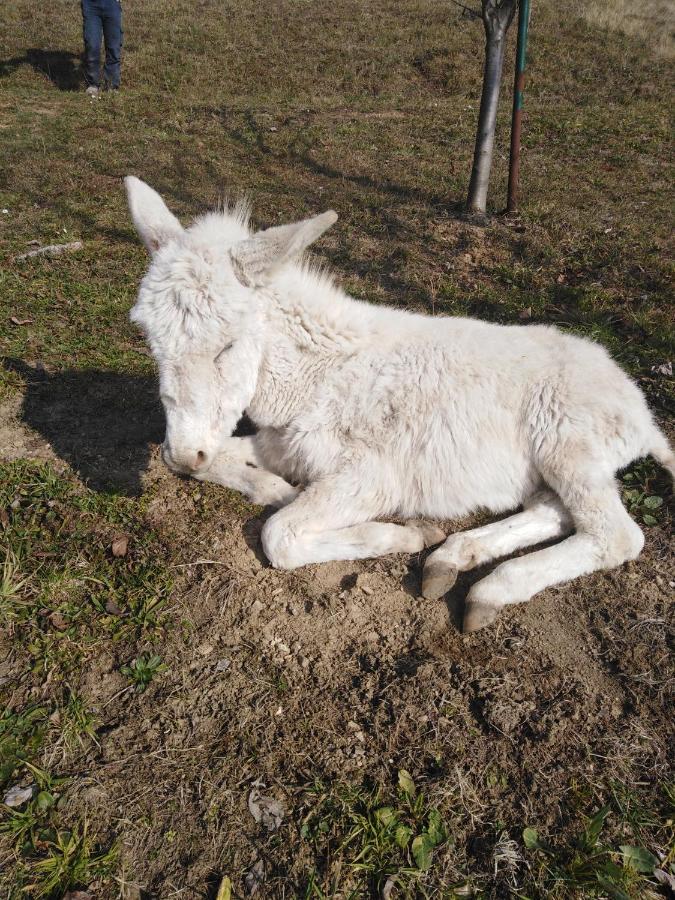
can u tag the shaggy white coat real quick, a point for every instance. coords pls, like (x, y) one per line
(379, 412)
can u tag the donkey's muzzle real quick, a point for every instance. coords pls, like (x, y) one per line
(186, 461)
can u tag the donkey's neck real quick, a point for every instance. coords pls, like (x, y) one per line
(311, 327)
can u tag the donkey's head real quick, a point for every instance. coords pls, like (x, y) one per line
(202, 305)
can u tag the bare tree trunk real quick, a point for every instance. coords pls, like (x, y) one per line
(497, 16)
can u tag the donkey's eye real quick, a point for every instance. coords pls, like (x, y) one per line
(224, 350)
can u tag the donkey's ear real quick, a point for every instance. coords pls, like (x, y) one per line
(154, 223)
(256, 258)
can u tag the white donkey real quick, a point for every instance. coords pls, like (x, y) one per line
(380, 413)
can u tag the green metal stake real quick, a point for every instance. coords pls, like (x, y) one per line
(516, 121)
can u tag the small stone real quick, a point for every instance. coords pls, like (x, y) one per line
(367, 589)
(223, 664)
(120, 545)
(256, 608)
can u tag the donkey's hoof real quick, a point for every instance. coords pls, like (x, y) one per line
(438, 578)
(431, 534)
(478, 615)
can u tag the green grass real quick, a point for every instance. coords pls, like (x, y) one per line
(60, 579)
(63, 594)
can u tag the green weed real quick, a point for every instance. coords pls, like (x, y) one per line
(640, 492)
(589, 867)
(380, 839)
(142, 670)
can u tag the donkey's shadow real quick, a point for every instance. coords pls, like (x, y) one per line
(101, 423)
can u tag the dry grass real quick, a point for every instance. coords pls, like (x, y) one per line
(652, 20)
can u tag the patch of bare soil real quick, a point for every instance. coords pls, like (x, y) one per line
(342, 672)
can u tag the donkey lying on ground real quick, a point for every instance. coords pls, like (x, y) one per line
(379, 412)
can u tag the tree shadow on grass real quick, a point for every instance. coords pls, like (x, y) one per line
(62, 67)
(103, 424)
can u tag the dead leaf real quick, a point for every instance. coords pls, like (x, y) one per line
(525, 313)
(389, 886)
(112, 608)
(15, 321)
(664, 878)
(265, 810)
(18, 795)
(255, 878)
(4, 518)
(225, 889)
(561, 279)
(120, 544)
(665, 368)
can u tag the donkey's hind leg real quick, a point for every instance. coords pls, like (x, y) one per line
(605, 537)
(543, 519)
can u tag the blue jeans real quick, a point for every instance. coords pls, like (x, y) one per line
(102, 18)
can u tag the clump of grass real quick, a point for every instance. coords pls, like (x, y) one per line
(12, 589)
(590, 867)
(384, 841)
(50, 859)
(76, 722)
(69, 859)
(21, 736)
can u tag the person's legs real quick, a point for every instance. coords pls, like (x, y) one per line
(92, 31)
(112, 30)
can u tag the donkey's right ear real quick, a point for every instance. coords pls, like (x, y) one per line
(154, 223)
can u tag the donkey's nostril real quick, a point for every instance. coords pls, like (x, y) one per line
(185, 460)
(200, 461)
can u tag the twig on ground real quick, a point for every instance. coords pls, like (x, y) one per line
(51, 250)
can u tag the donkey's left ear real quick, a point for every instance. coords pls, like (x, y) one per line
(154, 223)
(256, 258)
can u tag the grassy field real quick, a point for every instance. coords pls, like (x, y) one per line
(186, 722)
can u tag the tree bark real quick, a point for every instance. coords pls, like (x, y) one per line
(497, 16)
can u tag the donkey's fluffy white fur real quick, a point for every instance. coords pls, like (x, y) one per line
(379, 412)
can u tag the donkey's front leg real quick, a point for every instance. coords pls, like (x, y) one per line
(328, 521)
(238, 466)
